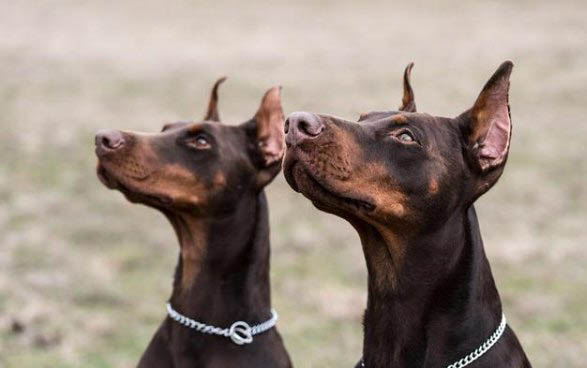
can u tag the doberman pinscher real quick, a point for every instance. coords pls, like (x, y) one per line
(207, 178)
(407, 181)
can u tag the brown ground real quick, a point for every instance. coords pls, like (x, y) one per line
(84, 274)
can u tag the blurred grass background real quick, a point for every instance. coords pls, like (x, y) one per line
(84, 275)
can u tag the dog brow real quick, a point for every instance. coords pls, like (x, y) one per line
(196, 128)
(393, 121)
(399, 119)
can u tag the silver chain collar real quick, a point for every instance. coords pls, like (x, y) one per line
(477, 353)
(239, 332)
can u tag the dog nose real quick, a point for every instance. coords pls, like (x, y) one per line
(109, 140)
(300, 126)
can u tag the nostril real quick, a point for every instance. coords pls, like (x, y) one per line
(302, 125)
(309, 128)
(109, 139)
(112, 142)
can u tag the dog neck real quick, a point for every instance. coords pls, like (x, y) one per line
(431, 301)
(222, 275)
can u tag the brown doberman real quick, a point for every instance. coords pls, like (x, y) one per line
(207, 178)
(407, 181)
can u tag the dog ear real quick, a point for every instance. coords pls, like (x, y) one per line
(487, 127)
(270, 122)
(212, 113)
(270, 138)
(408, 99)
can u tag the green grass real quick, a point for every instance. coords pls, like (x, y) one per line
(87, 273)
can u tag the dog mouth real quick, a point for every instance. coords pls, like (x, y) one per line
(301, 179)
(106, 179)
(111, 181)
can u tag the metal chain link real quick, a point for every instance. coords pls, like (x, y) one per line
(463, 362)
(483, 348)
(239, 332)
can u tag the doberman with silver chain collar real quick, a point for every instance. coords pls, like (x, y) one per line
(207, 179)
(407, 181)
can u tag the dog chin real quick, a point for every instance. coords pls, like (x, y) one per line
(323, 198)
(106, 178)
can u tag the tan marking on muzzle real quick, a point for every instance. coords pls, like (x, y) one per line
(131, 167)
(133, 162)
(332, 162)
(330, 158)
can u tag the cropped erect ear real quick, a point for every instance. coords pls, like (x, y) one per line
(212, 113)
(408, 99)
(269, 136)
(487, 127)
(270, 121)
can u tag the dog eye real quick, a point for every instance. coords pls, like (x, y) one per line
(198, 142)
(406, 137)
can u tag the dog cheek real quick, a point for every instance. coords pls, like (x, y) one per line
(180, 185)
(385, 191)
(392, 207)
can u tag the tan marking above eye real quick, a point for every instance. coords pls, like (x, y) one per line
(195, 128)
(399, 119)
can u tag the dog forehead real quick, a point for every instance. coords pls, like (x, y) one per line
(381, 119)
(198, 126)
(425, 123)
(377, 115)
(222, 133)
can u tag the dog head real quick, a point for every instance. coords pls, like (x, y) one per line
(201, 166)
(401, 169)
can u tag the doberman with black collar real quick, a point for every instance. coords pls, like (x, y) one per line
(407, 181)
(207, 178)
